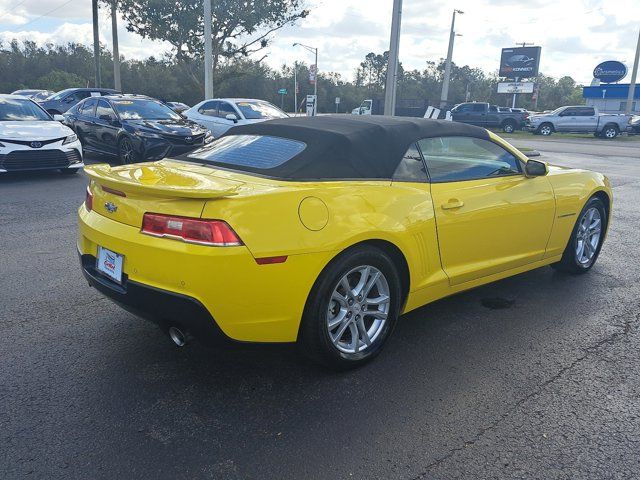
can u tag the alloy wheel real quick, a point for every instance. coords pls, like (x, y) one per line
(610, 133)
(358, 309)
(545, 130)
(588, 236)
(126, 151)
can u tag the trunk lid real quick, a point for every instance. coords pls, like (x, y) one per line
(125, 193)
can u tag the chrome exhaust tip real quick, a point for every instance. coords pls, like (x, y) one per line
(177, 336)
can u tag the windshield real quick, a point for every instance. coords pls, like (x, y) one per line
(254, 151)
(21, 110)
(260, 110)
(143, 110)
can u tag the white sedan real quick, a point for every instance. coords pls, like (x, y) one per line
(220, 114)
(30, 139)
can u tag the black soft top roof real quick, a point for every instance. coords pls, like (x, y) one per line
(349, 147)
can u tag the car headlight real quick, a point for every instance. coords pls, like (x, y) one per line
(208, 137)
(148, 135)
(70, 139)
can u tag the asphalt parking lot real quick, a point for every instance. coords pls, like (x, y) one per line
(531, 377)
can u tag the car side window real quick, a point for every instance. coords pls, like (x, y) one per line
(104, 109)
(478, 107)
(88, 107)
(411, 168)
(210, 109)
(455, 159)
(225, 109)
(81, 95)
(586, 112)
(569, 112)
(463, 108)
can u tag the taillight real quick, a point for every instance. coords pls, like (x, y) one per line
(88, 200)
(193, 230)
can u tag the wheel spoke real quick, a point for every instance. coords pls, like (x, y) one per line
(580, 251)
(341, 299)
(341, 330)
(355, 338)
(345, 284)
(364, 275)
(370, 283)
(362, 329)
(376, 314)
(338, 319)
(378, 300)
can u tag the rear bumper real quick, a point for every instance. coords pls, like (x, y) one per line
(224, 287)
(161, 307)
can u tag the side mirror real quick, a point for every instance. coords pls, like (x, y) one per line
(534, 168)
(58, 118)
(233, 117)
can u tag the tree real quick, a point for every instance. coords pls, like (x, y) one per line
(239, 27)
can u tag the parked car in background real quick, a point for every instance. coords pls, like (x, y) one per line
(579, 119)
(134, 128)
(34, 94)
(30, 139)
(178, 107)
(485, 115)
(65, 99)
(405, 107)
(220, 114)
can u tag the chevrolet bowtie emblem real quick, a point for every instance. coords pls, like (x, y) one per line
(110, 207)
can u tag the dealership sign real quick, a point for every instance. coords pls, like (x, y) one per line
(515, 87)
(610, 71)
(520, 62)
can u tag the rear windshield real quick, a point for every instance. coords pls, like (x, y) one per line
(254, 151)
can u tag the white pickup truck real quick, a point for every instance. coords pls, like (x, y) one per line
(579, 119)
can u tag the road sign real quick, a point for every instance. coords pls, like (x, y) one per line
(283, 91)
(515, 87)
(313, 70)
(337, 100)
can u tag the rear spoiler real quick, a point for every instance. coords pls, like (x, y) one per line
(163, 180)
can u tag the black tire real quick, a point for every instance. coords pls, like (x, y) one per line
(569, 262)
(509, 126)
(69, 171)
(126, 151)
(610, 132)
(545, 129)
(314, 338)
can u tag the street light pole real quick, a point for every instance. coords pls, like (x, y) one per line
(295, 88)
(447, 67)
(96, 43)
(392, 67)
(313, 50)
(208, 52)
(634, 76)
(116, 51)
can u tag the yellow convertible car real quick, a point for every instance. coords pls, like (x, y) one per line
(323, 230)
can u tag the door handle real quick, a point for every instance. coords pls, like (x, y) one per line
(452, 203)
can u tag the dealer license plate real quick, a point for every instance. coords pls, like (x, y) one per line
(110, 264)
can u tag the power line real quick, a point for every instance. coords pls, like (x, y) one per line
(47, 13)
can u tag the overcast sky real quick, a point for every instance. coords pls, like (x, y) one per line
(575, 35)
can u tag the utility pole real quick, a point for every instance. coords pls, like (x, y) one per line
(313, 50)
(634, 76)
(96, 43)
(295, 87)
(447, 67)
(116, 52)
(392, 67)
(208, 51)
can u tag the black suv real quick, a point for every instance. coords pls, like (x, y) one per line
(134, 128)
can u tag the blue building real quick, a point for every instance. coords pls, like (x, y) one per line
(611, 97)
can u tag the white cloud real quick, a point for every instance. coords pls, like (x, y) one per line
(574, 34)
